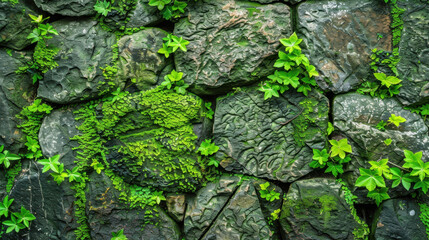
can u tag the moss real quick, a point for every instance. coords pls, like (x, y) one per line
(328, 204)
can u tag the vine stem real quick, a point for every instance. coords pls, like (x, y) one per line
(398, 166)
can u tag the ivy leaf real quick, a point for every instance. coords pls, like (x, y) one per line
(330, 128)
(46, 29)
(38, 19)
(270, 90)
(207, 148)
(381, 168)
(213, 162)
(179, 6)
(315, 164)
(396, 120)
(379, 195)
(74, 175)
(311, 70)
(334, 169)
(119, 235)
(320, 156)
(424, 185)
(178, 43)
(51, 163)
(159, 3)
(304, 88)
(424, 110)
(25, 216)
(102, 8)
(411, 158)
(340, 148)
(4, 206)
(158, 197)
(175, 76)
(291, 43)
(291, 78)
(398, 177)
(420, 169)
(264, 186)
(283, 61)
(369, 179)
(6, 157)
(181, 89)
(34, 36)
(388, 141)
(32, 145)
(13, 225)
(387, 80)
(165, 50)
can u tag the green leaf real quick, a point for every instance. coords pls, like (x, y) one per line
(424, 110)
(269, 90)
(74, 175)
(34, 36)
(387, 80)
(320, 156)
(304, 88)
(264, 186)
(213, 162)
(424, 185)
(291, 43)
(381, 168)
(4, 206)
(178, 43)
(51, 163)
(379, 195)
(411, 158)
(25, 217)
(330, 128)
(396, 120)
(175, 76)
(13, 225)
(369, 179)
(388, 141)
(6, 157)
(159, 3)
(207, 148)
(119, 235)
(312, 71)
(335, 169)
(102, 8)
(1, 148)
(420, 169)
(46, 29)
(340, 148)
(32, 145)
(165, 50)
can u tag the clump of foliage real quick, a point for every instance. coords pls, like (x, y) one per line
(43, 55)
(170, 9)
(269, 195)
(119, 235)
(387, 86)
(393, 120)
(209, 111)
(174, 81)
(57, 169)
(17, 220)
(207, 148)
(6, 157)
(296, 71)
(102, 7)
(171, 44)
(424, 216)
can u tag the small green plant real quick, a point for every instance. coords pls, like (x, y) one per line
(274, 216)
(296, 72)
(330, 128)
(4, 206)
(208, 148)
(269, 195)
(6, 157)
(17, 220)
(57, 169)
(388, 86)
(174, 80)
(169, 8)
(102, 7)
(158, 197)
(42, 31)
(119, 235)
(388, 141)
(209, 112)
(171, 44)
(393, 120)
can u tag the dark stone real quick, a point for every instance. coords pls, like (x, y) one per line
(143, 15)
(398, 219)
(107, 214)
(232, 43)
(316, 209)
(339, 36)
(254, 139)
(15, 24)
(414, 53)
(84, 47)
(73, 8)
(139, 58)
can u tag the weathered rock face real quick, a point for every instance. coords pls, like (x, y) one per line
(232, 43)
(227, 210)
(15, 93)
(414, 53)
(84, 47)
(50, 203)
(143, 15)
(316, 209)
(106, 214)
(270, 139)
(176, 206)
(357, 116)
(339, 37)
(15, 24)
(138, 57)
(55, 133)
(398, 219)
(73, 8)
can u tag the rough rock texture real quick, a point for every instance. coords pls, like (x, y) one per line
(414, 53)
(339, 37)
(106, 214)
(16, 90)
(176, 206)
(143, 15)
(398, 219)
(357, 116)
(55, 133)
(316, 209)
(138, 57)
(73, 8)
(227, 210)
(232, 43)
(15, 24)
(254, 139)
(51, 204)
(84, 48)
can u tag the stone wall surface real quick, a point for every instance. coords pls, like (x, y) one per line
(214, 119)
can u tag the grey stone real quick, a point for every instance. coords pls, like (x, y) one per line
(357, 116)
(50, 203)
(176, 206)
(316, 209)
(398, 219)
(15, 24)
(73, 8)
(339, 36)
(271, 139)
(139, 58)
(84, 47)
(55, 133)
(106, 214)
(16, 91)
(232, 43)
(143, 15)
(414, 53)
(241, 218)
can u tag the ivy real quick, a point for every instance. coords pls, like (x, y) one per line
(171, 44)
